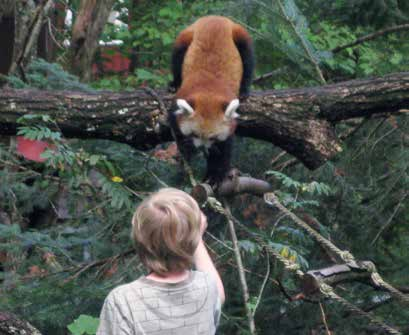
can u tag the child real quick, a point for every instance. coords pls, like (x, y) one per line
(167, 228)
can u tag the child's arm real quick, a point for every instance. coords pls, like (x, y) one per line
(204, 263)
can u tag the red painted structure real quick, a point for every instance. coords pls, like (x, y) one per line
(113, 61)
(31, 149)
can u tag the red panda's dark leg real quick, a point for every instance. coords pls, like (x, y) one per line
(244, 45)
(178, 54)
(184, 144)
(218, 160)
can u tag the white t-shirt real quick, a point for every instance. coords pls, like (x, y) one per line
(145, 306)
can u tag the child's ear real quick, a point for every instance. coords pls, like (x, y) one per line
(203, 223)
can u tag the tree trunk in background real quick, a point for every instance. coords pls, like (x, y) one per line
(133, 57)
(300, 121)
(47, 46)
(86, 32)
(7, 33)
(25, 12)
(20, 24)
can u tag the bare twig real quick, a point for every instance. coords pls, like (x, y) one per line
(372, 36)
(263, 285)
(21, 167)
(219, 241)
(88, 266)
(267, 75)
(137, 194)
(242, 276)
(350, 132)
(288, 163)
(324, 319)
(146, 166)
(50, 30)
(371, 307)
(276, 158)
(388, 223)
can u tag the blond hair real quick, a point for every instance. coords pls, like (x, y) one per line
(166, 230)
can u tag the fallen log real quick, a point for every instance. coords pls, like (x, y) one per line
(300, 121)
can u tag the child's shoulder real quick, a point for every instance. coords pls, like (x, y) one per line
(122, 291)
(204, 277)
(142, 285)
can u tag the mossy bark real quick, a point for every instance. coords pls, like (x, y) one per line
(300, 121)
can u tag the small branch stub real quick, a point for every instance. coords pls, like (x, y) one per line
(232, 185)
(334, 275)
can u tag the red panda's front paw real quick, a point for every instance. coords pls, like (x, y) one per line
(171, 87)
(214, 181)
(230, 177)
(244, 96)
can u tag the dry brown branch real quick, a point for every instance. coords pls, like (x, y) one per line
(242, 275)
(100, 262)
(263, 285)
(324, 319)
(268, 75)
(389, 222)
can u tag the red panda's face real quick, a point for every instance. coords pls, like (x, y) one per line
(207, 123)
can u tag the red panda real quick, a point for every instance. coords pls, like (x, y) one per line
(212, 65)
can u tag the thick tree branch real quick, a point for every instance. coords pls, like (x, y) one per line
(299, 121)
(10, 324)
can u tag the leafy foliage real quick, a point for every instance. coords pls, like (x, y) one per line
(48, 76)
(372, 13)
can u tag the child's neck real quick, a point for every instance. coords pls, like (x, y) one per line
(169, 277)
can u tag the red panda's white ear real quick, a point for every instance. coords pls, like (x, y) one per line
(231, 109)
(184, 107)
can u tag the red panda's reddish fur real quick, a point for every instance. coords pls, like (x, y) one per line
(212, 65)
(212, 68)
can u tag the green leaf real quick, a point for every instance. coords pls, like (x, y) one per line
(249, 246)
(84, 325)
(93, 160)
(166, 11)
(396, 58)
